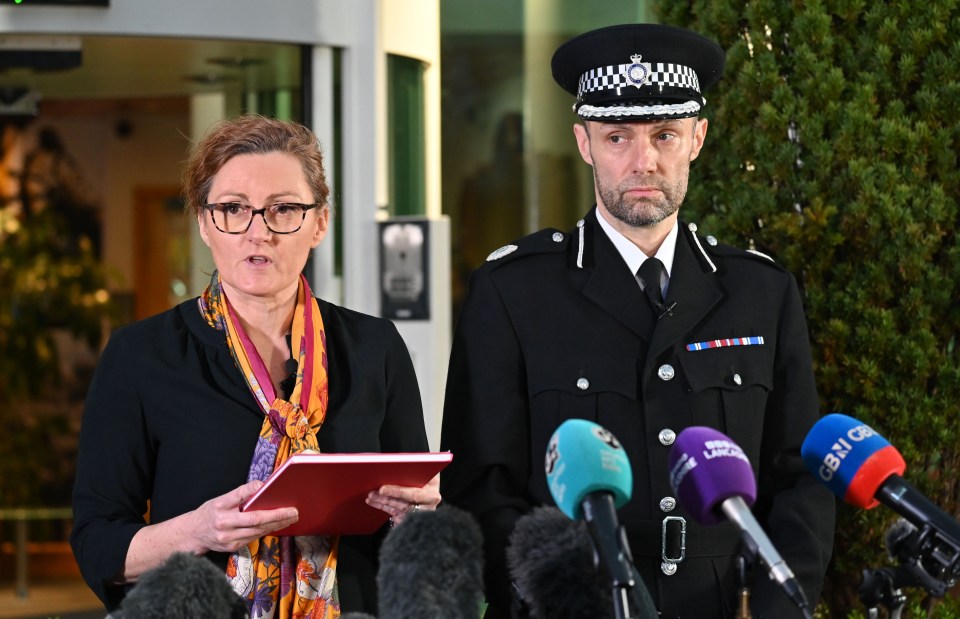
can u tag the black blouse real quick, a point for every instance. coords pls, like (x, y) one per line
(169, 419)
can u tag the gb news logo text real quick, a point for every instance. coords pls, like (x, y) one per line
(842, 448)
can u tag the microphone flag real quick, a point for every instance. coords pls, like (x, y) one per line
(706, 469)
(583, 458)
(850, 458)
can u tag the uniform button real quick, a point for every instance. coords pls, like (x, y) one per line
(557, 237)
(583, 384)
(711, 240)
(667, 436)
(667, 504)
(666, 372)
(737, 379)
(668, 568)
(692, 227)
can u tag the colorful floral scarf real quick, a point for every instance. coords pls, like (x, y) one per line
(282, 577)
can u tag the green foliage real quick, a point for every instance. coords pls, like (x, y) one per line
(833, 147)
(49, 279)
(50, 282)
(33, 471)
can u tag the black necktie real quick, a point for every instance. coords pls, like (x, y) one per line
(650, 272)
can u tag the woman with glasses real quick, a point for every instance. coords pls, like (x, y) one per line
(191, 409)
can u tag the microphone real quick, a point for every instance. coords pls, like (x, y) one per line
(546, 557)
(663, 309)
(431, 567)
(589, 477)
(864, 469)
(584, 460)
(713, 479)
(185, 586)
(287, 384)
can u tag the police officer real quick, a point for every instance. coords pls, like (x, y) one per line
(634, 321)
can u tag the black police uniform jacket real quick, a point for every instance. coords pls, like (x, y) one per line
(558, 328)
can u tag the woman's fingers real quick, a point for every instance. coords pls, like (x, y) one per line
(398, 501)
(221, 526)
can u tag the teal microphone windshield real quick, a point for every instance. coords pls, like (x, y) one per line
(582, 458)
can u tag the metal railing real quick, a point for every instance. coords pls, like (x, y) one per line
(21, 517)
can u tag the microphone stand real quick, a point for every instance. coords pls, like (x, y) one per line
(743, 591)
(931, 551)
(881, 587)
(927, 558)
(625, 579)
(611, 553)
(624, 602)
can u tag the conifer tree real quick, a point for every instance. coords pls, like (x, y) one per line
(833, 147)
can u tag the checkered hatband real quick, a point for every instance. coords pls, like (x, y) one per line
(619, 77)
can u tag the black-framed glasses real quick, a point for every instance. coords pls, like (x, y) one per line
(280, 218)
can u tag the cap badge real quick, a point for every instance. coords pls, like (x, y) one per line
(636, 73)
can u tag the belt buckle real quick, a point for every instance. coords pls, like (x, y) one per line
(669, 564)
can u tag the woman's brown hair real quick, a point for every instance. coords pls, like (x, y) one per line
(251, 135)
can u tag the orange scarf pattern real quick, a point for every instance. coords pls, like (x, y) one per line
(282, 577)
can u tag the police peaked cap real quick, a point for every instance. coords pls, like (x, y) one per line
(638, 72)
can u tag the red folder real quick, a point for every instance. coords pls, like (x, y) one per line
(330, 490)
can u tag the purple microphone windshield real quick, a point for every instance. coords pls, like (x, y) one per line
(707, 468)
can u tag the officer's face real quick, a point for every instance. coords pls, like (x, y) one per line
(640, 169)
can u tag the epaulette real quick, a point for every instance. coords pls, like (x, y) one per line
(716, 248)
(761, 254)
(544, 241)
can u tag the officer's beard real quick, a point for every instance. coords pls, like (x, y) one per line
(641, 212)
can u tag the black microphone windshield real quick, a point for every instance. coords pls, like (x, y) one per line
(431, 567)
(185, 586)
(551, 561)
